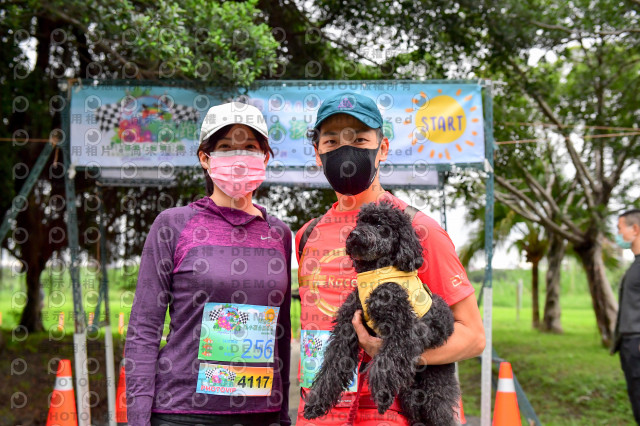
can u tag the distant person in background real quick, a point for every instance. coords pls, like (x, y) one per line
(627, 332)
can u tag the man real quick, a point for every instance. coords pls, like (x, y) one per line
(349, 146)
(627, 333)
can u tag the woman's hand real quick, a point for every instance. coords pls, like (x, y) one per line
(369, 343)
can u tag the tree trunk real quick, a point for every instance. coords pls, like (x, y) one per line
(535, 305)
(37, 248)
(604, 303)
(32, 314)
(555, 254)
(34, 251)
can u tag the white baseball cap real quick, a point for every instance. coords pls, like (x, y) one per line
(232, 113)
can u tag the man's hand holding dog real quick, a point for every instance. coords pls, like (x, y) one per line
(369, 343)
(466, 341)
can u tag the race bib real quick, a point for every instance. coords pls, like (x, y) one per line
(217, 379)
(238, 333)
(313, 343)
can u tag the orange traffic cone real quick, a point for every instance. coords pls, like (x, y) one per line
(62, 408)
(460, 413)
(506, 412)
(121, 398)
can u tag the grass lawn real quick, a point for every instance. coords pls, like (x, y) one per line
(569, 378)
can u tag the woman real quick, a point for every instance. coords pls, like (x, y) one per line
(223, 267)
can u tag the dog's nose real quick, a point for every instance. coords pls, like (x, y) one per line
(355, 233)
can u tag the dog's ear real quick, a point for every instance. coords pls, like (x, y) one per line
(409, 251)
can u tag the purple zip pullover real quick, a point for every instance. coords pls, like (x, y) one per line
(197, 254)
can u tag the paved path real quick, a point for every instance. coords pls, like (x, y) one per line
(294, 387)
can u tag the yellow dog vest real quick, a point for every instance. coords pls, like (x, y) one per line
(419, 296)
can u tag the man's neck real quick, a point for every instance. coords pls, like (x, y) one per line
(635, 246)
(354, 202)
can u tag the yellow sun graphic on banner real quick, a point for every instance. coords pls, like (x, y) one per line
(441, 120)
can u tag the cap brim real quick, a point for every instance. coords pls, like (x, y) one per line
(367, 121)
(211, 132)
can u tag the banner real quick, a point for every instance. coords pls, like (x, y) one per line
(158, 126)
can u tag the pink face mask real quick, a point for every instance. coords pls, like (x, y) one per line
(237, 172)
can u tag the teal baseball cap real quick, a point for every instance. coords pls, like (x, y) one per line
(359, 106)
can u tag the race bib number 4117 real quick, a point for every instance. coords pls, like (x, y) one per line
(216, 379)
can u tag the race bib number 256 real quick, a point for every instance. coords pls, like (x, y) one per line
(238, 333)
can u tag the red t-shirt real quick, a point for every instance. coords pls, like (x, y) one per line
(326, 276)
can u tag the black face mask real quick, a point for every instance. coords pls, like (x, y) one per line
(350, 170)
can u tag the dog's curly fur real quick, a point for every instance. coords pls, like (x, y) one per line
(383, 236)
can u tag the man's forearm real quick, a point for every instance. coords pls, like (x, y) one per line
(464, 343)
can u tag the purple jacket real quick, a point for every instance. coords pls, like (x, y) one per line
(197, 254)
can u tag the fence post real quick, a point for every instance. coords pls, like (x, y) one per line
(518, 299)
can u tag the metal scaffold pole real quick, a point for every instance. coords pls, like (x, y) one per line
(485, 381)
(80, 330)
(104, 295)
(19, 202)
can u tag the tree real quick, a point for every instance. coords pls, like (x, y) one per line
(555, 254)
(529, 238)
(588, 90)
(587, 93)
(130, 40)
(209, 44)
(534, 245)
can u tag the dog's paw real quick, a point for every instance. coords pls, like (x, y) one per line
(385, 375)
(312, 411)
(383, 399)
(412, 400)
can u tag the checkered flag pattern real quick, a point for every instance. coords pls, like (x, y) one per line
(244, 318)
(180, 113)
(108, 116)
(317, 343)
(213, 315)
(209, 374)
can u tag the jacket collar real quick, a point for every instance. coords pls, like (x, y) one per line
(235, 217)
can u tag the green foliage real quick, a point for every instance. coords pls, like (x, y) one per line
(194, 40)
(296, 207)
(573, 285)
(592, 81)
(225, 45)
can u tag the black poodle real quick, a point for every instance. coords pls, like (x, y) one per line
(386, 254)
